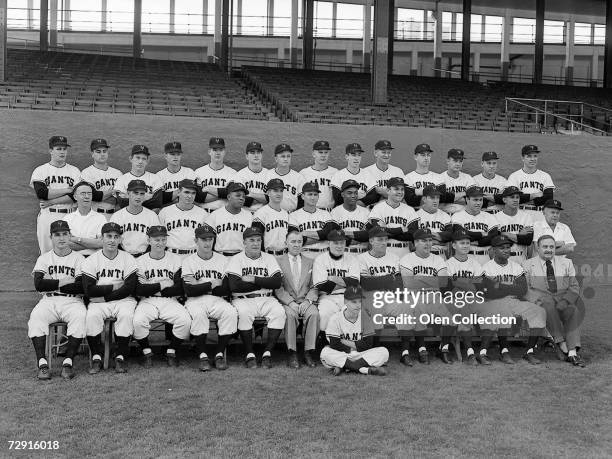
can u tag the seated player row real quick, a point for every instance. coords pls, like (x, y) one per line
(325, 292)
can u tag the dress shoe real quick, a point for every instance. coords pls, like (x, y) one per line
(445, 356)
(310, 362)
(250, 362)
(220, 363)
(43, 372)
(120, 366)
(67, 372)
(505, 357)
(576, 360)
(266, 362)
(148, 360)
(483, 359)
(406, 360)
(531, 358)
(424, 357)
(96, 367)
(204, 364)
(377, 371)
(292, 360)
(471, 360)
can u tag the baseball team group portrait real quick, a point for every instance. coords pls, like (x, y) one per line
(212, 255)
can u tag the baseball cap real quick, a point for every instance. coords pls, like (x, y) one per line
(204, 231)
(422, 233)
(136, 149)
(111, 227)
(383, 145)
(236, 186)
(253, 146)
(455, 153)
(157, 230)
(58, 141)
(58, 226)
(83, 182)
(281, 147)
(353, 292)
(135, 185)
(510, 190)
(377, 231)
(422, 148)
(460, 235)
(395, 181)
(216, 142)
(173, 147)
(275, 184)
(489, 155)
(352, 148)
(188, 183)
(431, 190)
(474, 191)
(310, 186)
(498, 241)
(527, 149)
(98, 143)
(336, 235)
(251, 232)
(553, 204)
(350, 183)
(321, 145)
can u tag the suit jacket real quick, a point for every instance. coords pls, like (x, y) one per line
(288, 292)
(567, 285)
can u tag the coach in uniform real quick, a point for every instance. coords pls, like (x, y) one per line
(102, 177)
(321, 173)
(214, 177)
(272, 220)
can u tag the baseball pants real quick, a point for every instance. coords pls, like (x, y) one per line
(166, 309)
(532, 313)
(265, 306)
(58, 309)
(206, 307)
(310, 317)
(375, 357)
(564, 324)
(122, 310)
(490, 309)
(424, 309)
(328, 306)
(43, 227)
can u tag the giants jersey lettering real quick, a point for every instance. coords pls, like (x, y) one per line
(418, 181)
(109, 271)
(457, 184)
(253, 181)
(513, 224)
(311, 221)
(152, 182)
(467, 269)
(349, 332)
(217, 178)
(211, 270)
(57, 267)
(170, 180)
(263, 266)
(371, 266)
(394, 217)
(537, 181)
(55, 178)
(135, 226)
(354, 220)
(423, 272)
(482, 222)
(323, 179)
(493, 185)
(506, 274)
(153, 271)
(293, 187)
(379, 178)
(435, 222)
(102, 180)
(276, 223)
(181, 225)
(361, 177)
(229, 228)
(324, 266)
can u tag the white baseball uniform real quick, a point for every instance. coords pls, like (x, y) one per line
(181, 225)
(492, 186)
(436, 222)
(456, 185)
(87, 226)
(217, 178)
(534, 182)
(275, 223)
(102, 180)
(514, 224)
(469, 269)
(152, 182)
(379, 178)
(362, 178)
(134, 239)
(417, 181)
(229, 228)
(170, 180)
(311, 221)
(293, 187)
(323, 179)
(401, 216)
(354, 220)
(255, 182)
(482, 223)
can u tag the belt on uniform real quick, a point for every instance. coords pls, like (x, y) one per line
(530, 207)
(230, 253)
(355, 249)
(253, 295)
(105, 211)
(59, 294)
(61, 211)
(397, 244)
(276, 252)
(437, 250)
(514, 254)
(313, 249)
(182, 251)
(479, 252)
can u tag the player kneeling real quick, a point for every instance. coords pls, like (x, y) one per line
(350, 338)
(57, 275)
(159, 286)
(206, 290)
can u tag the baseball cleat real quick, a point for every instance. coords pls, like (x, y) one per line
(266, 361)
(471, 360)
(220, 363)
(250, 362)
(43, 372)
(172, 360)
(377, 371)
(406, 360)
(67, 372)
(204, 364)
(148, 361)
(531, 358)
(445, 356)
(483, 359)
(576, 360)
(96, 367)
(292, 361)
(336, 371)
(310, 362)
(505, 357)
(120, 366)
(424, 357)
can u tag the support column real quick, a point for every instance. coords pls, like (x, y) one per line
(465, 42)
(238, 17)
(538, 55)
(414, 62)
(3, 27)
(453, 26)
(595, 67)
(270, 19)
(383, 16)
(44, 31)
(205, 17)
(437, 41)
(280, 55)
(570, 28)
(307, 32)
(476, 67)
(103, 16)
(391, 35)
(137, 41)
(293, 38)
(348, 59)
(67, 19)
(53, 24)
(217, 35)
(367, 31)
(505, 45)
(224, 46)
(30, 14)
(334, 19)
(171, 18)
(607, 83)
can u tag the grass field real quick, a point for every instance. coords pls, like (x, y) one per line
(512, 411)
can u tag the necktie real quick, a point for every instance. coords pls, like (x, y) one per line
(550, 277)
(295, 270)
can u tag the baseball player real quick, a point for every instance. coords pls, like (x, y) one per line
(85, 223)
(230, 222)
(181, 219)
(481, 226)
(206, 290)
(253, 276)
(432, 218)
(399, 219)
(332, 272)
(536, 186)
(272, 220)
(57, 276)
(135, 220)
(314, 223)
(419, 178)
(159, 286)
(293, 180)
(140, 159)
(321, 173)
(353, 171)
(505, 282)
(491, 183)
(215, 176)
(455, 182)
(350, 337)
(564, 240)
(109, 280)
(53, 183)
(102, 177)
(352, 218)
(381, 170)
(515, 224)
(174, 173)
(425, 272)
(254, 177)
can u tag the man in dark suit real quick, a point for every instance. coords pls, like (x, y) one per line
(553, 285)
(298, 295)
